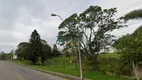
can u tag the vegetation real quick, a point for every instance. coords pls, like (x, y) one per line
(92, 28)
(22, 51)
(88, 32)
(131, 46)
(5, 56)
(55, 51)
(97, 22)
(135, 14)
(71, 70)
(36, 50)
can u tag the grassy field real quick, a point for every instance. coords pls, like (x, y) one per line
(110, 55)
(56, 65)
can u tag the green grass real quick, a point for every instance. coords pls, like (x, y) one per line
(110, 55)
(56, 65)
(87, 74)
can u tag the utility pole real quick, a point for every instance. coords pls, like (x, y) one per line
(80, 59)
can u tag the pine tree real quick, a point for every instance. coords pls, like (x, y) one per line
(35, 47)
(55, 51)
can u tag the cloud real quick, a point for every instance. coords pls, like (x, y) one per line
(8, 12)
(19, 18)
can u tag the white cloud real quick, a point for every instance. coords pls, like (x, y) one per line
(19, 18)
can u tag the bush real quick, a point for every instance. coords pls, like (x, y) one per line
(109, 65)
(106, 64)
(39, 60)
(125, 68)
(92, 62)
(115, 66)
(3, 57)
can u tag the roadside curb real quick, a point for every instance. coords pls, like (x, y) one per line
(70, 77)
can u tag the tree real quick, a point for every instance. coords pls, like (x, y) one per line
(11, 53)
(24, 48)
(66, 52)
(9, 56)
(55, 51)
(35, 50)
(3, 56)
(69, 34)
(71, 50)
(135, 14)
(22, 51)
(92, 28)
(131, 48)
(46, 51)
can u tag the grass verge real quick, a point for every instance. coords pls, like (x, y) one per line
(75, 72)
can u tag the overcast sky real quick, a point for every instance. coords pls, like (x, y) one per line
(18, 18)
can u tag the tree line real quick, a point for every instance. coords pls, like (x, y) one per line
(5, 56)
(36, 49)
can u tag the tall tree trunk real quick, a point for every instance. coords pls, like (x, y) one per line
(135, 70)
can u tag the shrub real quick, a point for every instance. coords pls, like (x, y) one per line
(109, 65)
(92, 62)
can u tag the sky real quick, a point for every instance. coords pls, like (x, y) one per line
(18, 18)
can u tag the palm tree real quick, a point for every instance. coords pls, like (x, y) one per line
(135, 14)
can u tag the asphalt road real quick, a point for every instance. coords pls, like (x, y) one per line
(12, 71)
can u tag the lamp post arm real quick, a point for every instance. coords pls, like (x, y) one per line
(60, 17)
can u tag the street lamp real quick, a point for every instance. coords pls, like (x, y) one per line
(62, 20)
(58, 16)
(80, 58)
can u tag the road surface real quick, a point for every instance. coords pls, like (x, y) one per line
(12, 71)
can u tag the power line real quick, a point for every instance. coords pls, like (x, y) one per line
(130, 6)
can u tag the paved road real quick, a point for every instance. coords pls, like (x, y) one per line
(12, 71)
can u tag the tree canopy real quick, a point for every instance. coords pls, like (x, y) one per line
(23, 50)
(55, 51)
(130, 47)
(35, 49)
(135, 14)
(91, 27)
